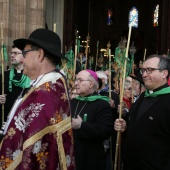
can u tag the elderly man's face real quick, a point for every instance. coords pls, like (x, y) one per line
(30, 62)
(128, 81)
(136, 88)
(84, 86)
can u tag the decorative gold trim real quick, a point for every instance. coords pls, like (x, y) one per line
(60, 128)
(65, 86)
(16, 162)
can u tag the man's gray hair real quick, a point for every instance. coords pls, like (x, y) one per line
(102, 74)
(96, 84)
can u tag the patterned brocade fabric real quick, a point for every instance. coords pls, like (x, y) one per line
(31, 141)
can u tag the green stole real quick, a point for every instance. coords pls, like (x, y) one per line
(165, 90)
(24, 82)
(93, 98)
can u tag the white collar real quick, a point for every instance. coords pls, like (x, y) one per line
(33, 82)
(150, 91)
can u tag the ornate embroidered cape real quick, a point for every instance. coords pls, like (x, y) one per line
(39, 135)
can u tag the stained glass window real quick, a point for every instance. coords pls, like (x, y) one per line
(133, 17)
(109, 17)
(156, 16)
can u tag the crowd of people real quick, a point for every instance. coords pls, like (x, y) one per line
(49, 125)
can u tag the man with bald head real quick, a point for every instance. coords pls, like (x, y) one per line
(148, 132)
(92, 122)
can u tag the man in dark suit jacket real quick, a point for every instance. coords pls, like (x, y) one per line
(15, 83)
(148, 128)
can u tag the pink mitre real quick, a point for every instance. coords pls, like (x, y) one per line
(93, 74)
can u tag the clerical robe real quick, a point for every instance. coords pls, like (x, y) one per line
(40, 129)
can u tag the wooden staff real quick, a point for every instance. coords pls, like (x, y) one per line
(65, 49)
(121, 99)
(109, 55)
(133, 68)
(132, 80)
(116, 81)
(144, 55)
(87, 50)
(55, 28)
(90, 62)
(81, 61)
(110, 96)
(97, 53)
(75, 57)
(2, 65)
(168, 53)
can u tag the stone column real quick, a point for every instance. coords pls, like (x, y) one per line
(20, 18)
(4, 15)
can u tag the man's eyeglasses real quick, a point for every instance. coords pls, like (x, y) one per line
(24, 52)
(15, 53)
(148, 70)
(80, 80)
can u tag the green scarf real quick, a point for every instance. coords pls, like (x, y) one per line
(93, 98)
(165, 90)
(24, 82)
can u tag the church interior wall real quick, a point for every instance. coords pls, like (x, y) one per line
(145, 36)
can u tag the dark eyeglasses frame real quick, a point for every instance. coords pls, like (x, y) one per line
(24, 52)
(148, 70)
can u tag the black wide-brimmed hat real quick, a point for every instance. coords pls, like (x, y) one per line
(44, 38)
(137, 77)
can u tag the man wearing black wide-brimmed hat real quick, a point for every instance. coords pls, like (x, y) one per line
(138, 85)
(33, 134)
